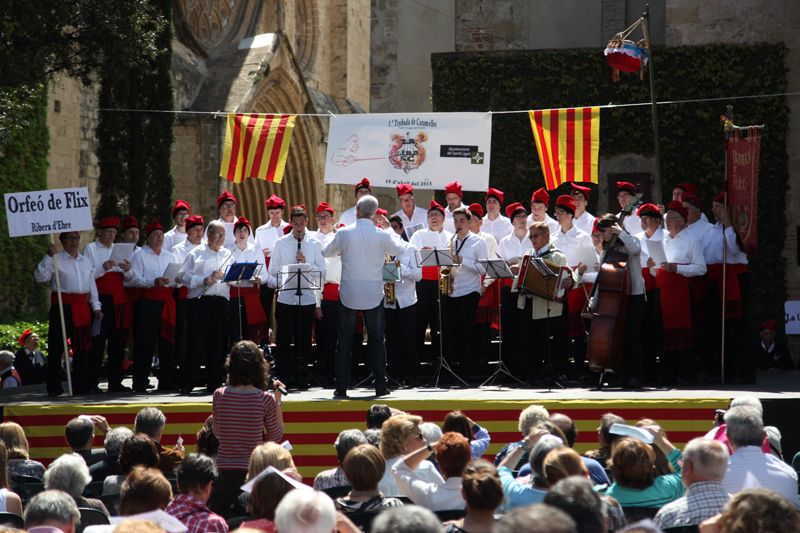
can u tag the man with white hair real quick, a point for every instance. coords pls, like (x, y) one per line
(749, 466)
(528, 418)
(151, 421)
(335, 477)
(363, 249)
(70, 474)
(109, 466)
(407, 518)
(704, 465)
(305, 511)
(51, 511)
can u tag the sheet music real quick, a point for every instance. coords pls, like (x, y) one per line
(585, 255)
(656, 250)
(122, 251)
(494, 268)
(435, 257)
(230, 238)
(411, 230)
(171, 272)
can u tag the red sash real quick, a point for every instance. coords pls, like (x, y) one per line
(252, 303)
(649, 279)
(330, 292)
(183, 292)
(164, 294)
(81, 316)
(733, 292)
(487, 305)
(110, 284)
(576, 301)
(676, 309)
(430, 273)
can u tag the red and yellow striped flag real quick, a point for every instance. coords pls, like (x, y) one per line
(256, 146)
(568, 142)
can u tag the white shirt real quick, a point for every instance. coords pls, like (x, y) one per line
(466, 276)
(712, 246)
(285, 253)
(363, 248)
(405, 292)
(686, 252)
(75, 273)
(552, 224)
(498, 228)
(333, 265)
(632, 223)
(173, 237)
(251, 254)
(432, 495)
(348, 216)
(511, 247)
(98, 254)
(230, 238)
(658, 235)
(425, 471)
(570, 242)
(584, 222)
(182, 250)
(750, 467)
(698, 229)
(419, 216)
(146, 266)
(491, 244)
(448, 218)
(267, 234)
(201, 263)
(427, 238)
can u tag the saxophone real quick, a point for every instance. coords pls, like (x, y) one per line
(388, 287)
(446, 273)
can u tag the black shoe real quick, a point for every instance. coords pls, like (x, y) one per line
(94, 390)
(54, 393)
(186, 391)
(118, 388)
(140, 388)
(382, 392)
(340, 395)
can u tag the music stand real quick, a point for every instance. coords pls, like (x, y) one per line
(497, 269)
(244, 271)
(439, 257)
(299, 277)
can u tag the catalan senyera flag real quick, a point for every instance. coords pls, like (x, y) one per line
(568, 142)
(256, 146)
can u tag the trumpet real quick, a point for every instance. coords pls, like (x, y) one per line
(446, 273)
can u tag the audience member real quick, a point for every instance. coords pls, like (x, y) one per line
(752, 510)
(605, 439)
(151, 422)
(70, 474)
(407, 519)
(531, 416)
(10, 502)
(207, 442)
(19, 461)
(373, 437)
(575, 496)
(9, 377)
(518, 492)
(719, 431)
(525, 469)
(109, 466)
(144, 490)
(266, 455)
(305, 511)
(767, 352)
(79, 433)
(377, 414)
(479, 439)
(51, 511)
(749, 466)
(267, 494)
(196, 476)
(137, 450)
(401, 435)
(138, 526)
(364, 466)
(483, 494)
(335, 477)
(539, 518)
(596, 471)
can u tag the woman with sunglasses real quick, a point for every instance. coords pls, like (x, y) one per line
(400, 436)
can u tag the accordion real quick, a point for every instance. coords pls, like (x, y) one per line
(542, 278)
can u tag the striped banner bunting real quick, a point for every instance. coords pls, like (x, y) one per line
(568, 143)
(256, 146)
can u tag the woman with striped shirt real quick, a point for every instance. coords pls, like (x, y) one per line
(243, 412)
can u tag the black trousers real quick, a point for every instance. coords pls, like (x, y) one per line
(401, 343)
(293, 343)
(458, 315)
(55, 343)
(427, 315)
(653, 342)
(267, 296)
(632, 364)
(327, 337)
(115, 340)
(147, 336)
(181, 330)
(512, 320)
(375, 323)
(208, 316)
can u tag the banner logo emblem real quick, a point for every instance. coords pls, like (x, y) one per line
(407, 153)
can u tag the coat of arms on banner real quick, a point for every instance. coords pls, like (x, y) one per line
(407, 153)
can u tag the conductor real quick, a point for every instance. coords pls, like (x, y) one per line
(363, 248)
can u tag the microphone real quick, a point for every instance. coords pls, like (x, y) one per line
(281, 389)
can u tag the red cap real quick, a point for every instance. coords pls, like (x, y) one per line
(155, 225)
(129, 221)
(648, 210)
(325, 206)
(720, 198)
(299, 207)
(513, 209)
(436, 206)
(180, 204)
(687, 187)
(581, 189)
(287, 229)
(453, 187)
(771, 325)
(108, 222)
(497, 193)
(540, 195)
(626, 186)
(404, 188)
(242, 222)
(225, 197)
(364, 183)
(566, 201)
(595, 229)
(677, 206)
(692, 198)
(381, 211)
(476, 209)
(22, 338)
(275, 202)
(194, 220)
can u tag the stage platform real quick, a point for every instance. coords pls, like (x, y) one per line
(313, 418)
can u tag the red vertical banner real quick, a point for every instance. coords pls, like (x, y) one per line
(743, 156)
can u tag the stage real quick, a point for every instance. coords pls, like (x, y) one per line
(313, 419)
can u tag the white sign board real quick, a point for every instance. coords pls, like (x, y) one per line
(426, 150)
(50, 211)
(792, 310)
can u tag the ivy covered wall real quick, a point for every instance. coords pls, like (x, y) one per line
(690, 134)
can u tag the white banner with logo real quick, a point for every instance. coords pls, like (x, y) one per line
(426, 150)
(51, 211)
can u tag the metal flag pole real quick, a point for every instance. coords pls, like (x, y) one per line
(63, 322)
(727, 134)
(656, 194)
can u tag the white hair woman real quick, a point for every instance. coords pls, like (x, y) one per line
(70, 474)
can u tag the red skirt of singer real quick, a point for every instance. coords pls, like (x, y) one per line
(733, 292)
(256, 318)
(110, 284)
(487, 305)
(81, 314)
(676, 310)
(649, 279)
(576, 302)
(168, 310)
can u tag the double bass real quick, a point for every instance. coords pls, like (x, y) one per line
(605, 346)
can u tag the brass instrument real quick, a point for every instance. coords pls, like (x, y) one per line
(388, 287)
(446, 273)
